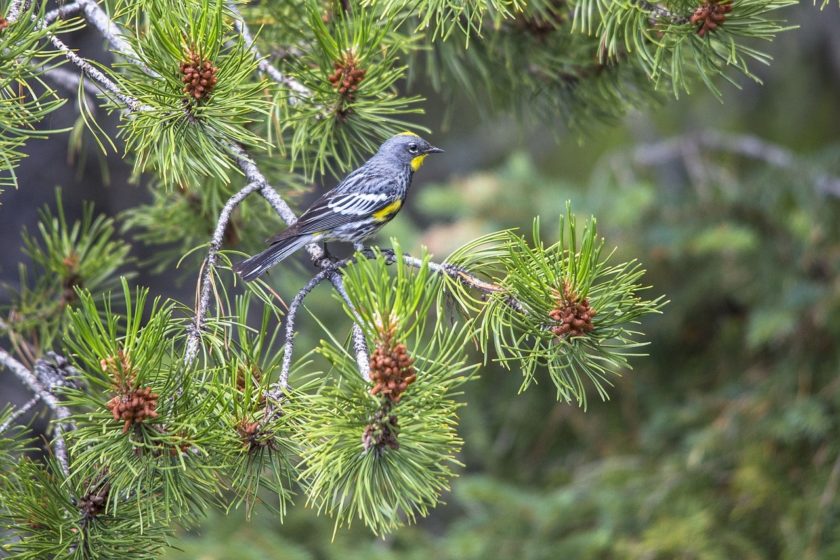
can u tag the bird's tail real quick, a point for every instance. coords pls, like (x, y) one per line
(250, 269)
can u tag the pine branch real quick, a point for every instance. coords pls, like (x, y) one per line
(15, 8)
(279, 387)
(359, 343)
(97, 17)
(70, 81)
(94, 73)
(299, 91)
(62, 12)
(209, 265)
(60, 412)
(659, 12)
(18, 413)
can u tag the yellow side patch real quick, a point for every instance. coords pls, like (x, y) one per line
(417, 162)
(407, 133)
(386, 213)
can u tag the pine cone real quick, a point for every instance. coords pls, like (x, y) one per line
(118, 367)
(710, 15)
(253, 436)
(382, 432)
(134, 407)
(347, 76)
(93, 503)
(4, 23)
(199, 77)
(574, 317)
(391, 370)
(70, 278)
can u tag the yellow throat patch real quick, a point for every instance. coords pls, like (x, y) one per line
(386, 213)
(417, 162)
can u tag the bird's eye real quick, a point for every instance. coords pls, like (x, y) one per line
(412, 148)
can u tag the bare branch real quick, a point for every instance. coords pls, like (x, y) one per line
(658, 12)
(38, 387)
(209, 266)
(298, 90)
(70, 82)
(96, 75)
(19, 412)
(466, 278)
(62, 12)
(276, 391)
(97, 17)
(741, 144)
(359, 342)
(14, 10)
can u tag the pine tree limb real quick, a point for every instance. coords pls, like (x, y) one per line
(62, 12)
(359, 342)
(14, 10)
(97, 17)
(276, 391)
(19, 412)
(658, 12)
(209, 266)
(60, 412)
(299, 91)
(95, 74)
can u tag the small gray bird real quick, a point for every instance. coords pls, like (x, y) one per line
(367, 199)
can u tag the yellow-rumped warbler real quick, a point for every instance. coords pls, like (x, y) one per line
(367, 199)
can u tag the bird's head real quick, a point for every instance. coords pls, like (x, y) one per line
(407, 148)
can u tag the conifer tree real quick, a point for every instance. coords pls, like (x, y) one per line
(162, 410)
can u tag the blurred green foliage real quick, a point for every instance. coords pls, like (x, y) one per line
(721, 444)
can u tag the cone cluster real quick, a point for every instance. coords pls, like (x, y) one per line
(243, 373)
(119, 368)
(382, 432)
(710, 15)
(573, 317)
(93, 503)
(199, 77)
(391, 370)
(134, 407)
(347, 76)
(252, 435)
(71, 278)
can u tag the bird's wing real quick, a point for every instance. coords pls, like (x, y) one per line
(344, 204)
(340, 209)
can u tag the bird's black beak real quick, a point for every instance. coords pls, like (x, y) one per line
(433, 150)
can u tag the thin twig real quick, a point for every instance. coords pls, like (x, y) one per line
(741, 144)
(19, 412)
(60, 412)
(359, 342)
(466, 278)
(70, 82)
(299, 91)
(277, 389)
(98, 18)
(14, 10)
(210, 263)
(658, 12)
(96, 75)
(62, 12)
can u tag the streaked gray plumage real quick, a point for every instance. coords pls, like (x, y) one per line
(364, 201)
